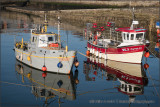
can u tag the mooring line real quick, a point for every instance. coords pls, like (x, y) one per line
(82, 54)
(16, 84)
(153, 83)
(152, 53)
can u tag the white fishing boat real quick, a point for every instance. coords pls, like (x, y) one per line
(45, 51)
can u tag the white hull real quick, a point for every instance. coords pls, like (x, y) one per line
(51, 61)
(126, 58)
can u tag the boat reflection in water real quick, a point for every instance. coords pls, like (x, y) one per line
(49, 85)
(132, 77)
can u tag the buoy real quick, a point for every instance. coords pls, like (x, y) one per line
(158, 31)
(28, 58)
(95, 73)
(59, 83)
(44, 68)
(76, 63)
(102, 29)
(93, 78)
(94, 26)
(146, 66)
(76, 81)
(59, 65)
(44, 74)
(87, 53)
(157, 44)
(147, 54)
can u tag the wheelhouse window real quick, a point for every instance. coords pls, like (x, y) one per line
(122, 86)
(132, 36)
(127, 36)
(125, 87)
(50, 38)
(124, 36)
(130, 88)
(139, 36)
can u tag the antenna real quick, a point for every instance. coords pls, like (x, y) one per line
(133, 14)
(133, 22)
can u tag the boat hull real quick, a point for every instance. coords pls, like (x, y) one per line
(129, 54)
(51, 60)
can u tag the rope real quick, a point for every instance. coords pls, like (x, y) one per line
(16, 84)
(153, 83)
(152, 53)
(82, 54)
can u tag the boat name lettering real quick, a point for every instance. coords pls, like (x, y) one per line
(132, 49)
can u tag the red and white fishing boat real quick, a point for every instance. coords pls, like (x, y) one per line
(129, 50)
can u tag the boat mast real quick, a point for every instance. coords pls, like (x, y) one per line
(133, 14)
(59, 37)
(45, 23)
(133, 22)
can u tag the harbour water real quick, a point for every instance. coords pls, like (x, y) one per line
(94, 83)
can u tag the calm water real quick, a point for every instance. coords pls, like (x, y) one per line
(94, 83)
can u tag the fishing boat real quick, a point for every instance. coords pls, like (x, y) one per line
(48, 85)
(123, 45)
(45, 51)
